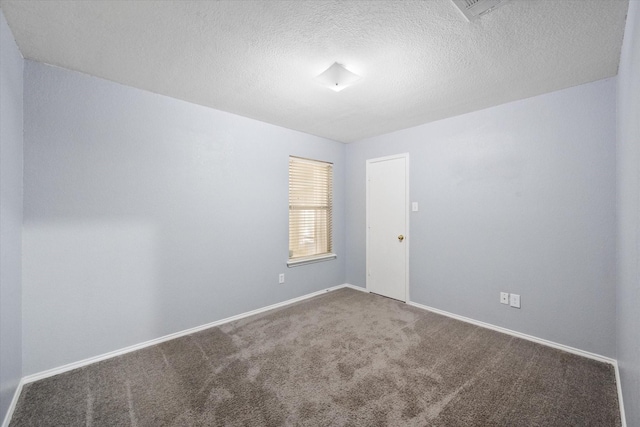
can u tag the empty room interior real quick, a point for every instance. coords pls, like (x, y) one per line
(314, 213)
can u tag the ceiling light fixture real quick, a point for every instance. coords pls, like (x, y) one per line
(473, 9)
(337, 77)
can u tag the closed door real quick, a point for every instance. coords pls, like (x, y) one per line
(387, 226)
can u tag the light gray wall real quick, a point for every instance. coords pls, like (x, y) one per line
(11, 64)
(628, 289)
(145, 215)
(517, 198)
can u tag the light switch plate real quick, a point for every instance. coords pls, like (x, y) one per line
(414, 206)
(514, 300)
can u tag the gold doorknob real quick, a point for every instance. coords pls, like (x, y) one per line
(401, 238)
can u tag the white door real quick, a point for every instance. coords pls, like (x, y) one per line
(387, 226)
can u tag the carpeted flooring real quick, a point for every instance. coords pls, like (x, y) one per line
(345, 358)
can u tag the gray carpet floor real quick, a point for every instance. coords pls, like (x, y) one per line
(345, 358)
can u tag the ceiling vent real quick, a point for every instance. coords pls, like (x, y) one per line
(472, 9)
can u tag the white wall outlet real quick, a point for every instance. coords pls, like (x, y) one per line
(414, 206)
(504, 298)
(281, 278)
(514, 300)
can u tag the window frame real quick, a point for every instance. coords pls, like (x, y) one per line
(328, 220)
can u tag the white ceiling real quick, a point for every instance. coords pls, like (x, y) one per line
(420, 61)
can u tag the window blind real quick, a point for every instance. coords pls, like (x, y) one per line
(310, 207)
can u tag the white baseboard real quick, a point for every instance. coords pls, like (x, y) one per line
(68, 367)
(357, 288)
(14, 402)
(542, 341)
(623, 418)
(71, 366)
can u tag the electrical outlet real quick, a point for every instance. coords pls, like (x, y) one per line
(514, 300)
(504, 298)
(281, 278)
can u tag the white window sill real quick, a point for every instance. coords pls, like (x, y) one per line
(310, 259)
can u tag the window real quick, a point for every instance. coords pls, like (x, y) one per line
(310, 210)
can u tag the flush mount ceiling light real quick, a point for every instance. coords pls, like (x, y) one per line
(473, 9)
(337, 77)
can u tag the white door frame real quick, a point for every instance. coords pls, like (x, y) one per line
(406, 209)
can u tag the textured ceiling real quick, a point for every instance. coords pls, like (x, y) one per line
(420, 61)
